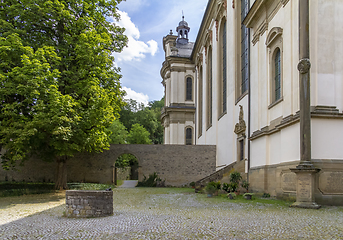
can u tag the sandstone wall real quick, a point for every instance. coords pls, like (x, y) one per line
(280, 182)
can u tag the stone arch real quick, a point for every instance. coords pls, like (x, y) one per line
(128, 171)
(121, 149)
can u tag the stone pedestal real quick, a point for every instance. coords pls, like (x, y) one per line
(305, 187)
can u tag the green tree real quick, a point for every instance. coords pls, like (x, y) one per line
(148, 117)
(118, 133)
(59, 87)
(138, 135)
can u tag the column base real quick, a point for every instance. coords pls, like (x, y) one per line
(305, 186)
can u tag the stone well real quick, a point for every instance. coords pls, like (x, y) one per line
(82, 203)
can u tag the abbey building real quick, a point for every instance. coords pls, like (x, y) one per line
(238, 87)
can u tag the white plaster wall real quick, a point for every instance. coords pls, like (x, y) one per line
(290, 143)
(167, 135)
(181, 134)
(168, 90)
(180, 91)
(327, 138)
(326, 32)
(281, 146)
(260, 152)
(173, 87)
(224, 142)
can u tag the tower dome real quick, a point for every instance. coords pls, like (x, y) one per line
(183, 23)
(183, 31)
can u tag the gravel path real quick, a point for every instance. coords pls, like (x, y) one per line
(145, 213)
(129, 184)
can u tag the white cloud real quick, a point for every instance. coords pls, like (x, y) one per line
(136, 49)
(139, 97)
(132, 5)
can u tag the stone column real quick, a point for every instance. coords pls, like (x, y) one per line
(305, 171)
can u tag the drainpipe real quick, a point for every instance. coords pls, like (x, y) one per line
(195, 104)
(249, 106)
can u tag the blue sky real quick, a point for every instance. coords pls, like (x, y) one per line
(146, 23)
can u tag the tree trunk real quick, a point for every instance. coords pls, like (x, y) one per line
(61, 173)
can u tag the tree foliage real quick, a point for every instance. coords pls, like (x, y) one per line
(138, 135)
(59, 89)
(118, 133)
(148, 117)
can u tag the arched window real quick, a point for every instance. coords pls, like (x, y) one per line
(222, 82)
(274, 44)
(189, 136)
(245, 48)
(200, 101)
(189, 89)
(277, 74)
(209, 88)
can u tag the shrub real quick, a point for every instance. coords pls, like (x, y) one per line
(192, 184)
(233, 187)
(266, 195)
(226, 187)
(217, 185)
(245, 185)
(210, 189)
(235, 177)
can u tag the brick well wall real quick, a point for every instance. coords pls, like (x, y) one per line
(80, 203)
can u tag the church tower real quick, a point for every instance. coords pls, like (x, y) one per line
(178, 74)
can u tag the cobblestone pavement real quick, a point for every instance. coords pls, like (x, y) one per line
(145, 213)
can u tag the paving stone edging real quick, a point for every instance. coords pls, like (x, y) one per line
(85, 203)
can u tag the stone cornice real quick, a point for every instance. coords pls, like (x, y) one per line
(167, 112)
(168, 65)
(204, 27)
(260, 14)
(328, 112)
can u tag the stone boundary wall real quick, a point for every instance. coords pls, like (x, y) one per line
(82, 204)
(178, 165)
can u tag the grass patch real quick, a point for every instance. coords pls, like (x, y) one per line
(120, 182)
(8, 189)
(11, 189)
(89, 186)
(256, 201)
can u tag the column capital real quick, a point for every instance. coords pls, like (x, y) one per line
(304, 65)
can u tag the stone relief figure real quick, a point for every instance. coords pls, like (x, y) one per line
(240, 126)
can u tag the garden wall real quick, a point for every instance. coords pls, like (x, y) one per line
(177, 164)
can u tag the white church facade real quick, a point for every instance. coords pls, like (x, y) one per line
(237, 87)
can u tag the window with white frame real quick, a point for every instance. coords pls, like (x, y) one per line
(274, 48)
